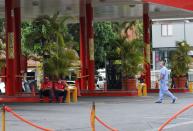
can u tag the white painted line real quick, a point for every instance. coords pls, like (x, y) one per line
(182, 118)
(173, 125)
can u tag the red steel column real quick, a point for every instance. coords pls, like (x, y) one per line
(90, 43)
(17, 36)
(10, 70)
(83, 44)
(147, 50)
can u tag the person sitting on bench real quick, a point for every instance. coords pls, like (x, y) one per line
(60, 90)
(46, 89)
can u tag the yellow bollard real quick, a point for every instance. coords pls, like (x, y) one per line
(75, 95)
(68, 96)
(3, 118)
(139, 90)
(144, 87)
(92, 117)
(190, 87)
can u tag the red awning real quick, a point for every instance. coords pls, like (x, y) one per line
(183, 4)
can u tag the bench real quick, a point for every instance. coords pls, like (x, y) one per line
(71, 93)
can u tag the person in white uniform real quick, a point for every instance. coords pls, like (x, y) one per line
(164, 75)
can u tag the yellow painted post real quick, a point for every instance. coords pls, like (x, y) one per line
(190, 87)
(139, 90)
(92, 117)
(68, 96)
(75, 95)
(3, 118)
(144, 87)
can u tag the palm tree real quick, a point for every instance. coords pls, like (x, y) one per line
(49, 40)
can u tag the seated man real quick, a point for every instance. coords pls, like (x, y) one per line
(46, 89)
(60, 90)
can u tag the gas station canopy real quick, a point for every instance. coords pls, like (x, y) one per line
(85, 12)
(112, 10)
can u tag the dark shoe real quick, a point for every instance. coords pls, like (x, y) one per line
(173, 101)
(158, 102)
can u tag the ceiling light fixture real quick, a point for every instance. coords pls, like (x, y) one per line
(131, 5)
(35, 2)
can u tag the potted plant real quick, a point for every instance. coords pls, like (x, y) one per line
(130, 50)
(180, 62)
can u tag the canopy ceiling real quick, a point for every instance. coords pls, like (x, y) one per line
(103, 9)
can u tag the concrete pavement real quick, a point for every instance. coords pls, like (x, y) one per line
(123, 113)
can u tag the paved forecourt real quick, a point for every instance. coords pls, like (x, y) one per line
(123, 113)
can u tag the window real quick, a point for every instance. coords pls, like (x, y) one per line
(166, 30)
(170, 30)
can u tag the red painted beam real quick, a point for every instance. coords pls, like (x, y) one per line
(185, 4)
(13, 99)
(109, 93)
(182, 90)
